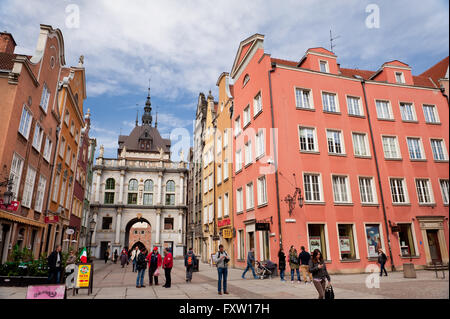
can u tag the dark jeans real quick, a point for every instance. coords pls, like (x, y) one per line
(383, 268)
(151, 270)
(140, 277)
(134, 264)
(320, 286)
(282, 274)
(168, 279)
(223, 273)
(249, 266)
(189, 271)
(54, 276)
(298, 274)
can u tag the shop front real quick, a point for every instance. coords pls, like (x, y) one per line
(434, 238)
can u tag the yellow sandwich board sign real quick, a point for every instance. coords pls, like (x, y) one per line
(85, 276)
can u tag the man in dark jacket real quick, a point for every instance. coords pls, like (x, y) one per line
(382, 261)
(189, 262)
(250, 261)
(303, 259)
(141, 265)
(54, 262)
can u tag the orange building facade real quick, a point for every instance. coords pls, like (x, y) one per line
(364, 154)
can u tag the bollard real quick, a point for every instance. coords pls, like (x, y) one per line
(409, 271)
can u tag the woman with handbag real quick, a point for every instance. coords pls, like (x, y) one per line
(293, 264)
(320, 274)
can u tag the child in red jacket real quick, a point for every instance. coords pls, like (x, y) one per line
(167, 265)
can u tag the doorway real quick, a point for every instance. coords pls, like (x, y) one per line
(433, 244)
(251, 240)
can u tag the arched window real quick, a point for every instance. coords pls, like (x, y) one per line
(148, 192)
(132, 191)
(110, 184)
(170, 193)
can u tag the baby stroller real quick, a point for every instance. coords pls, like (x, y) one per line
(265, 269)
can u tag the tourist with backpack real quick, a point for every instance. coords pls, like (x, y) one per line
(189, 262)
(222, 259)
(167, 265)
(293, 264)
(154, 262)
(141, 265)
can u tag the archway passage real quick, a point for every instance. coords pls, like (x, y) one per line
(138, 233)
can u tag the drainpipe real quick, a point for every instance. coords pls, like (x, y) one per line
(275, 154)
(363, 83)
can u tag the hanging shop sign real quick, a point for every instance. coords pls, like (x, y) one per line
(224, 222)
(262, 226)
(227, 233)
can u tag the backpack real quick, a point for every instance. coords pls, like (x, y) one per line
(141, 261)
(190, 260)
(154, 260)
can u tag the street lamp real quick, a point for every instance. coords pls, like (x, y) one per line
(92, 224)
(8, 195)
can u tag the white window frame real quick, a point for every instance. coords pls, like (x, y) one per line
(257, 104)
(380, 229)
(404, 188)
(248, 153)
(237, 126)
(336, 101)
(48, 149)
(316, 144)
(40, 194)
(402, 77)
(341, 140)
(45, 98)
(239, 200)
(247, 116)
(429, 189)
(381, 111)
(219, 174)
(26, 120)
(226, 205)
(420, 145)
(319, 184)
(238, 160)
(435, 114)
(325, 63)
(397, 147)
(372, 189)
(260, 144)
(28, 189)
(444, 190)
(404, 114)
(262, 190)
(225, 170)
(357, 144)
(249, 196)
(355, 240)
(360, 108)
(16, 173)
(444, 149)
(348, 192)
(219, 207)
(56, 187)
(309, 95)
(37, 137)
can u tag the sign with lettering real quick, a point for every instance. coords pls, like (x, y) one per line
(262, 226)
(83, 276)
(46, 292)
(11, 207)
(224, 222)
(51, 219)
(227, 233)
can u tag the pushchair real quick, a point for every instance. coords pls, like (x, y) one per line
(265, 269)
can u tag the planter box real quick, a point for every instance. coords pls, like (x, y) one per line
(21, 281)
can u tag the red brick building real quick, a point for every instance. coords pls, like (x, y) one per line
(368, 151)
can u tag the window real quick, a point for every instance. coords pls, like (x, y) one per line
(373, 240)
(265, 245)
(341, 189)
(354, 106)
(47, 149)
(72, 128)
(219, 144)
(399, 77)
(237, 126)
(360, 144)
(107, 223)
(407, 112)
(219, 207)
(170, 193)
(260, 143)
(168, 223)
(241, 244)
(257, 104)
(225, 138)
(415, 148)
(430, 114)
(329, 102)
(384, 110)
(37, 139)
(133, 185)
(16, 174)
(249, 196)
(25, 122)
(205, 215)
(109, 198)
(211, 213)
(347, 242)
(424, 192)
(390, 147)
(62, 148)
(323, 66)
(405, 237)
(110, 186)
(148, 198)
(211, 181)
(132, 198)
(226, 204)
(246, 79)
(247, 116)
(335, 142)
(444, 190)
(239, 201)
(68, 155)
(262, 190)
(439, 150)
(66, 118)
(367, 190)
(40, 194)
(29, 187)
(312, 185)
(219, 174)
(398, 191)
(238, 160)
(248, 153)
(55, 188)
(317, 239)
(132, 188)
(45, 97)
(225, 170)
(148, 185)
(205, 185)
(308, 140)
(303, 99)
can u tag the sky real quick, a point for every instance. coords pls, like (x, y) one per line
(183, 47)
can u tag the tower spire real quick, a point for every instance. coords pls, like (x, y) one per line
(147, 117)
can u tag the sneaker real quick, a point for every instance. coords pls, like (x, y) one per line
(143, 286)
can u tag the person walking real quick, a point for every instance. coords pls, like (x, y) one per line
(303, 259)
(116, 256)
(293, 263)
(189, 261)
(154, 262)
(141, 265)
(167, 265)
(222, 260)
(282, 263)
(250, 262)
(319, 271)
(54, 262)
(106, 255)
(382, 261)
(134, 255)
(123, 257)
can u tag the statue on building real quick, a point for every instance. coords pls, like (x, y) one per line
(102, 151)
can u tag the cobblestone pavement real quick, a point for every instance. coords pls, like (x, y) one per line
(113, 282)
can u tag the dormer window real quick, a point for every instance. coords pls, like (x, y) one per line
(323, 66)
(399, 77)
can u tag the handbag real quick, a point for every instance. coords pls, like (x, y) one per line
(156, 273)
(329, 293)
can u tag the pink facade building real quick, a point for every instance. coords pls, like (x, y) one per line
(364, 152)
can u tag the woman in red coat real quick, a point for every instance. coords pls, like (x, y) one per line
(167, 265)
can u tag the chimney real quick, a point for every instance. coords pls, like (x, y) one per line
(7, 43)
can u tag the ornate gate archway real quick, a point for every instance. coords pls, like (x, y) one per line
(137, 236)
